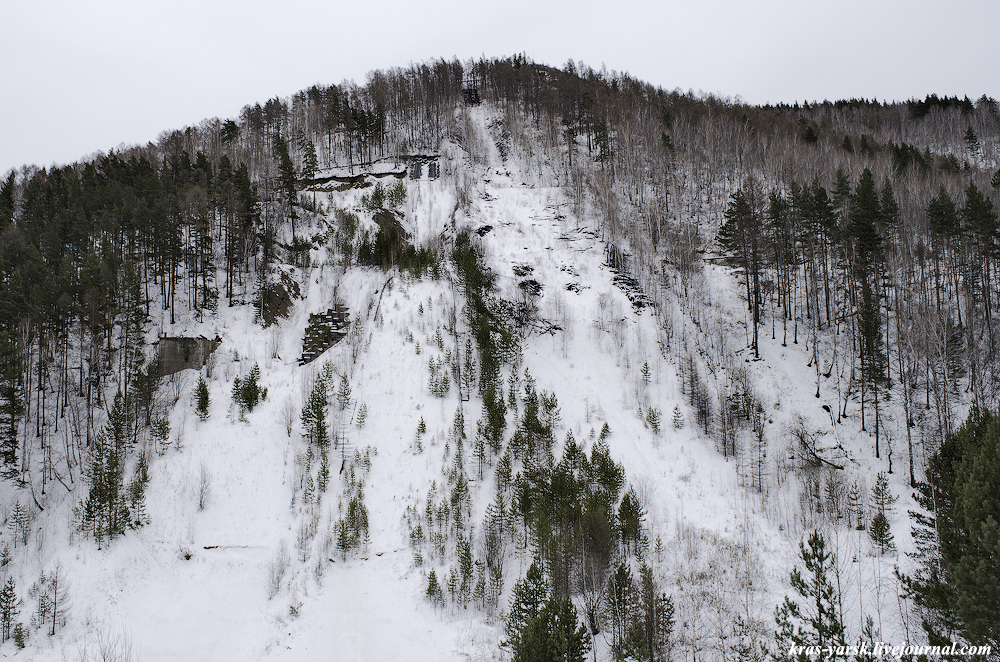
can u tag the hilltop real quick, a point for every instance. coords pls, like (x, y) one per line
(468, 317)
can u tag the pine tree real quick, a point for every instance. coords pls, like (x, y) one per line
(286, 172)
(344, 393)
(137, 493)
(11, 404)
(865, 214)
(309, 161)
(133, 321)
(653, 419)
(20, 635)
(104, 512)
(813, 618)
(957, 536)
(620, 605)
(202, 400)
(972, 141)
(434, 593)
(630, 518)
(362, 415)
(740, 236)
(526, 602)
(7, 200)
(251, 393)
(880, 534)
(397, 195)
(323, 477)
(19, 524)
(678, 418)
(656, 616)
(159, 431)
(314, 414)
(882, 500)
(465, 567)
(555, 634)
(9, 604)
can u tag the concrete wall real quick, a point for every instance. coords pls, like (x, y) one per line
(176, 354)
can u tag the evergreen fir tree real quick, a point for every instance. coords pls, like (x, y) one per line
(9, 608)
(526, 602)
(677, 418)
(137, 493)
(630, 518)
(202, 400)
(19, 524)
(555, 634)
(882, 500)
(159, 431)
(11, 404)
(620, 605)
(972, 141)
(314, 414)
(133, 321)
(286, 171)
(104, 512)
(434, 593)
(656, 615)
(880, 534)
(653, 419)
(7, 200)
(323, 477)
(309, 161)
(20, 635)
(344, 393)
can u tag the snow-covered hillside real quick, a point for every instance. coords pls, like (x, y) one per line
(240, 560)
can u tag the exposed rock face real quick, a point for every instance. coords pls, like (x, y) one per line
(390, 220)
(176, 354)
(277, 298)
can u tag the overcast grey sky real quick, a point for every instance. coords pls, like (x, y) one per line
(79, 77)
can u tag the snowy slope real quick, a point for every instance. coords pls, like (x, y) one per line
(199, 583)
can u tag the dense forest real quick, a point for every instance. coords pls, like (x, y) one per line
(865, 231)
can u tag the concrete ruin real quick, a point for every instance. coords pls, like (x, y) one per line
(176, 354)
(324, 331)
